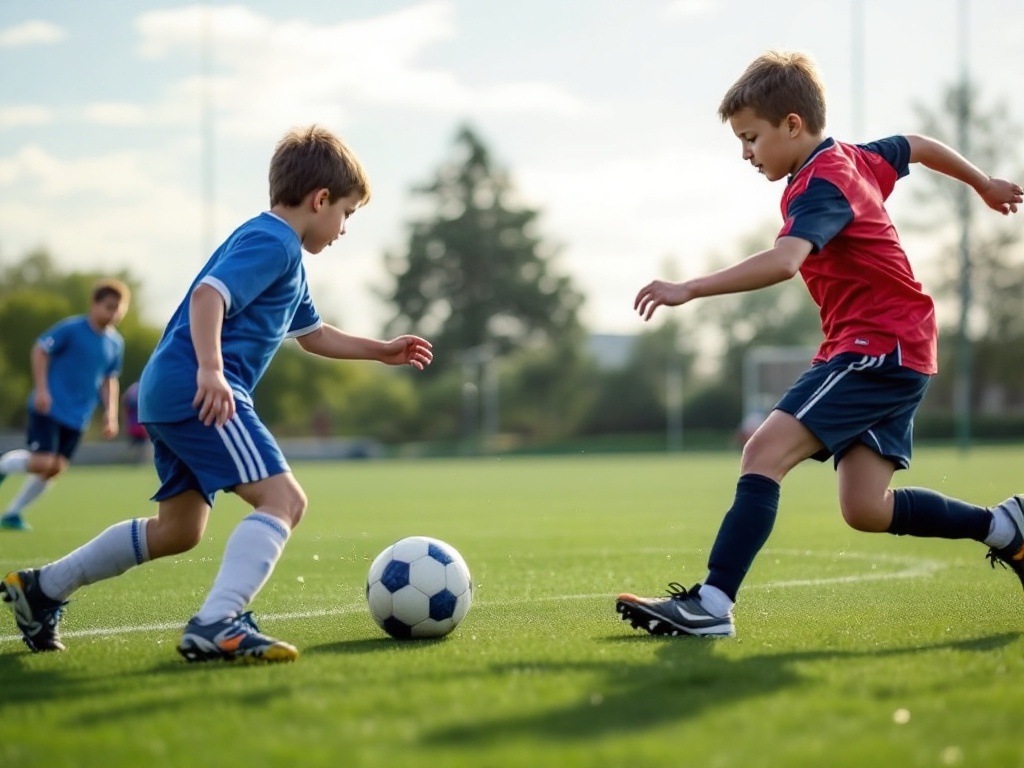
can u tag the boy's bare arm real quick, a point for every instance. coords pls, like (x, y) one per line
(769, 267)
(214, 399)
(110, 391)
(999, 194)
(328, 341)
(40, 363)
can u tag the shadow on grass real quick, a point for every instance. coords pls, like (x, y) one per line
(687, 678)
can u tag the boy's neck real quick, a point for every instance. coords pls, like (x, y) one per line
(807, 143)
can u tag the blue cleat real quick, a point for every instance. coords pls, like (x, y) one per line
(1012, 556)
(14, 522)
(681, 613)
(36, 614)
(230, 640)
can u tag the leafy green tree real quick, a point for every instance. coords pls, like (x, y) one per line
(996, 278)
(476, 272)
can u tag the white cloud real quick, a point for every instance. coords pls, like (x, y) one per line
(24, 114)
(119, 114)
(31, 33)
(263, 69)
(686, 9)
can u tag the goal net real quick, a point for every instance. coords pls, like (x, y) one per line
(767, 373)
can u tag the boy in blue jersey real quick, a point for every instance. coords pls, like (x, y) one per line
(856, 402)
(196, 402)
(75, 367)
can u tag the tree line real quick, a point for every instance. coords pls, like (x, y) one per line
(515, 365)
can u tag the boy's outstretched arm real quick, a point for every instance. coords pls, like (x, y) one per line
(999, 194)
(328, 341)
(778, 263)
(214, 398)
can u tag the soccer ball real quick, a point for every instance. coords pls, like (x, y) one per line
(419, 587)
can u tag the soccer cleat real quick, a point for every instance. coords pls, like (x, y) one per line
(36, 614)
(232, 639)
(1012, 556)
(14, 523)
(681, 613)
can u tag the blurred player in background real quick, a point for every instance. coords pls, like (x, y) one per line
(857, 401)
(195, 400)
(75, 367)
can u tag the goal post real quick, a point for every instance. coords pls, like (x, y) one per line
(768, 371)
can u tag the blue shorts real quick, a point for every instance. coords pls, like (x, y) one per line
(856, 398)
(44, 435)
(190, 456)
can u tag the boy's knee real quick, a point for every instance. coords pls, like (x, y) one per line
(861, 516)
(165, 539)
(296, 506)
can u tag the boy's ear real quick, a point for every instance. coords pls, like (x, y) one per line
(794, 124)
(321, 198)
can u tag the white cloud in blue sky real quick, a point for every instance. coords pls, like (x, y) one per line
(604, 112)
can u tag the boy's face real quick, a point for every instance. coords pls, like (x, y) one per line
(107, 311)
(329, 219)
(769, 148)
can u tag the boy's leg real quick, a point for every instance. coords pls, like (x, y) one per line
(779, 445)
(242, 456)
(37, 597)
(14, 462)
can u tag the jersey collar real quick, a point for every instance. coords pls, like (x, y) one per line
(826, 144)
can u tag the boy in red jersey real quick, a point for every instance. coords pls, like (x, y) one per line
(857, 401)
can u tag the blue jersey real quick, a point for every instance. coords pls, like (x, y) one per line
(80, 360)
(259, 273)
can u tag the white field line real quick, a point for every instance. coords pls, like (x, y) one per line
(912, 568)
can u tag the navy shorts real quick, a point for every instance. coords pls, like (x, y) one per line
(856, 398)
(44, 435)
(190, 456)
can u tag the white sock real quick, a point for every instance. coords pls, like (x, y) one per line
(31, 490)
(250, 555)
(14, 461)
(120, 547)
(715, 601)
(1002, 528)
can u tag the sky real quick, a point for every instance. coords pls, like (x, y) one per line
(137, 134)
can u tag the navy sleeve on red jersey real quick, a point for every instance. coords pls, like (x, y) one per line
(895, 150)
(818, 214)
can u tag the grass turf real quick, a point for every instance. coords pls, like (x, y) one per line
(852, 648)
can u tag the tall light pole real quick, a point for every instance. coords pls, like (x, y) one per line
(207, 171)
(857, 68)
(962, 381)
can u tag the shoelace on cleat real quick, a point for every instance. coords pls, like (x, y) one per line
(678, 592)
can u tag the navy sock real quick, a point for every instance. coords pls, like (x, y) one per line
(923, 512)
(743, 532)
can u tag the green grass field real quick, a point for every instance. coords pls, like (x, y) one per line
(853, 649)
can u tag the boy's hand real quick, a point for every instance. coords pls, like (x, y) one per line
(1001, 195)
(110, 427)
(408, 350)
(42, 401)
(214, 398)
(658, 293)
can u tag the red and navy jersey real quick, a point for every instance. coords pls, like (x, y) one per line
(857, 272)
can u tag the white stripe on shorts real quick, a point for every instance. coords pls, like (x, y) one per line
(243, 451)
(835, 377)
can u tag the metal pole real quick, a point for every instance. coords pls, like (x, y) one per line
(206, 130)
(962, 383)
(857, 68)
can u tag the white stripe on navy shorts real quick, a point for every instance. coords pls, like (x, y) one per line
(192, 456)
(855, 398)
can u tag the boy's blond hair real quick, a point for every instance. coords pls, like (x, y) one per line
(776, 84)
(308, 159)
(109, 286)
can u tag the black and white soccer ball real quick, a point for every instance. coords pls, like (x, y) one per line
(419, 587)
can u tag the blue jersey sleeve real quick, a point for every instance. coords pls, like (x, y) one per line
(306, 319)
(895, 150)
(256, 260)
(818, 214)
(55, 338)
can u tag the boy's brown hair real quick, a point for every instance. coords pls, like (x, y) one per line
(308, 159)
(109, 286)
(776, 84)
